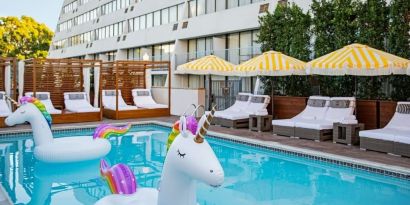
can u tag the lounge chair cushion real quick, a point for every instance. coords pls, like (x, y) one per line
(4, 108)
(314, 124)
(143, 98)
(77, 102)
(44, 97)
(285, 123)
(233, 115)
(387, 134)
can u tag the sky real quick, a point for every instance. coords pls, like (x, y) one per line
(43, 11)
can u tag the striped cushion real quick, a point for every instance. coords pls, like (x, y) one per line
(143, 93)
(42, 96)
(109, 93)
(339, 103)
(403, 108)
(316, 103)
(257, 99)
(242, 98)
(76, 96)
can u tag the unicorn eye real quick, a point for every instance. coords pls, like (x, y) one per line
(22, 112)
(182, 155)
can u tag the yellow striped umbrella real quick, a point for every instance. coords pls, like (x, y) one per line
(358, 59)
(272, 63)
(208, 65)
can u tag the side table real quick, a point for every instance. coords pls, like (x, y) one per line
(347, 133)
(260, 123)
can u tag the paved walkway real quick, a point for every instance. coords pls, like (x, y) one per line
(328, 146)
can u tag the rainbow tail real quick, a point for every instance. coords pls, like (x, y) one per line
(106, 131)
(120, 178)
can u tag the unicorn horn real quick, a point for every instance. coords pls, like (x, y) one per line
(12, 101)
(199, 138)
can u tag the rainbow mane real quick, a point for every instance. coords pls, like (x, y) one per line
(105, 131)
(40, 106)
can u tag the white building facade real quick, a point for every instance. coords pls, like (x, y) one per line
(173, 30)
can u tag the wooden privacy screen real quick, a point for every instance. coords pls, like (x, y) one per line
(56, 76)
(128, 75)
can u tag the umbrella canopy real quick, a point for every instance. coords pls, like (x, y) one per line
(360, 60)
(208, 65)
(272, 63)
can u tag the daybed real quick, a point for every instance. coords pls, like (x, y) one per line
(237, 116)
(143, 99)
(316, 109)
(394, 138)
(341, 109)
(44, 97)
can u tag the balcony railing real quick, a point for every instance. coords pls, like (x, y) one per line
(235, 56)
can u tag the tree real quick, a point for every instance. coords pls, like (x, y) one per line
(24, 38)
(398, 43)
(335, 25)
(287, 30)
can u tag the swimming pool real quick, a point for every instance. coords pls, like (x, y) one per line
(253, 175)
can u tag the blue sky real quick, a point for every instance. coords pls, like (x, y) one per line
(43, 11)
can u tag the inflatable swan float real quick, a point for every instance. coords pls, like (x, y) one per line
(189, 158)
(59, 150)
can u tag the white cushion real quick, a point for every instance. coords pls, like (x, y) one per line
(145, 101)
(110, 101)
(399, 121)
(47, 103)
(387, 134)
(233, 115)
(285, 123)
(78, 105)
(4, 108)
(314, 124)
(122, 108)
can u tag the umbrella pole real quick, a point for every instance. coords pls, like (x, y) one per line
(271, 93)
(210, 93)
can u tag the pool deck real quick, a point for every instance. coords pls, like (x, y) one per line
(325, 147)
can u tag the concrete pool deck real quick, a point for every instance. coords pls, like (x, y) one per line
(325, 147)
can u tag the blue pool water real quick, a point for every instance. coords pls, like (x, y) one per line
(253, 176)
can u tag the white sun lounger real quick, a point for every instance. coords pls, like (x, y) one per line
(76, 102)
(109, 101)
(394, 138)
(242, 101)
(240, 117)
(44, 97)
(4, 108)
(341, 109)
(143, 99)
(316, 109)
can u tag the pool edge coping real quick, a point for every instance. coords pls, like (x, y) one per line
(265, 144)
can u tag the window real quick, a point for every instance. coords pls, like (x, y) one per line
(131, 25)
(192, 9)
(142, 22)
(149, 20)
(157, 18)
(165, 52)
(201, 47)
(173, 14)
(210, 6)
(232, 4)
(233, 46)
(157, 53)
(137, 24)
(220, 5)
(245, 52)
(164, 16)
(192, 49)
(244, 2)
(201, 7)
(180, 12)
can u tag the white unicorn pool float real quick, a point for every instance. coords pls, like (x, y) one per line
(189, 159)
(59, 150)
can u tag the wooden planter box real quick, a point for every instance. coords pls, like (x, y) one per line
(135, 114)
(366, 113)
(387, 110)
(2, 124)
(286, 107)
